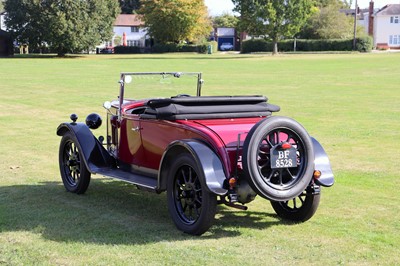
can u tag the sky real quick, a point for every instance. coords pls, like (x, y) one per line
(217, 7)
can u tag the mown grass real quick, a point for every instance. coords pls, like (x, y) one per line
(350, 103)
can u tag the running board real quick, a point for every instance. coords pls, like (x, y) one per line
(145, 182)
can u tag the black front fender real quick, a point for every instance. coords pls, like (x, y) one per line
(94, 154)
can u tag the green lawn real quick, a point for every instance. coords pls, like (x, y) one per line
(350, 103)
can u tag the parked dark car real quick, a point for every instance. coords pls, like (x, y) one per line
(201, 150)
(107, 50)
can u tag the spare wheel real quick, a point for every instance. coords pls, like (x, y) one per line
(278, 158)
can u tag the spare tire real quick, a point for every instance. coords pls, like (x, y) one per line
(278, 158)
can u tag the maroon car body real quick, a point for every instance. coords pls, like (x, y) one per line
(202, 150)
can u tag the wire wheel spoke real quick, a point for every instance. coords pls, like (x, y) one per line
(72, 163)
(188, 194)
(280, 177)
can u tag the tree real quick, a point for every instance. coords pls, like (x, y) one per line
(64, 25)
(176, 20)
(225, 20)
(1, 5)
(329, 23)
(275, 19)
(339, 3)
(128, 6)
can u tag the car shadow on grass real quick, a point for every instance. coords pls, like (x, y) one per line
(45, 56)
(110, 212)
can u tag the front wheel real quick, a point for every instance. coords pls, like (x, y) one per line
(191, 206)
(299, 209)
(74, 174)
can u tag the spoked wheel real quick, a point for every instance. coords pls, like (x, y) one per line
(299, 209)
(74, 174)
(190, 205)
(278, 158)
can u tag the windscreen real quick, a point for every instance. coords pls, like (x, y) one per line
(160, 85)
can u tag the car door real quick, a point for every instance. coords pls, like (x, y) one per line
(130, 145)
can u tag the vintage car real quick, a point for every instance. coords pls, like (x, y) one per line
(201, 150)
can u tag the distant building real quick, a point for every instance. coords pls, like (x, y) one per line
(129, 30)
(386, 27)
(2, 21)
(226, 37)
(381, 24)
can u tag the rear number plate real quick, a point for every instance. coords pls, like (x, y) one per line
(283, 158)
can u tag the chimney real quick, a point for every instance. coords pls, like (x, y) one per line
(371, 19)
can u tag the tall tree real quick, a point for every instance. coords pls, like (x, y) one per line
(129, 6)
(176, 20)
(64, 25)
(275, 19)
(328, 23)
(225, 20)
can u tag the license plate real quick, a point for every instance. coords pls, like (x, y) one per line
(283, 158)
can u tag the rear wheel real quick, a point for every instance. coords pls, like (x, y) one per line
(299, 209)
(74, 174)
(274, 179)
(191, 206)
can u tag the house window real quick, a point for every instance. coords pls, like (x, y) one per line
(394, 19)
(134, 29)
(133, 43)
(394, 39)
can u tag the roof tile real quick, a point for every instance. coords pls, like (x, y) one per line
(129, 20)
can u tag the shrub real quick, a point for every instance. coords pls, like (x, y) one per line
(127, 50)
(202, 48)
(179, 48)
(256, 45)
(363, 44)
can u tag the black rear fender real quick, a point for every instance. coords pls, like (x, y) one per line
(212, 171)
(94, 154)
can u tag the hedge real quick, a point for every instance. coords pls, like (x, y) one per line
(363, 44)
(179, 48)
(127, 50)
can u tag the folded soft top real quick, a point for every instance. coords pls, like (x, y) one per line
(208, 107)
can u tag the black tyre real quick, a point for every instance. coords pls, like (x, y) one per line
(191, 206)
(284, 183)
(299, 209)
(74, 174)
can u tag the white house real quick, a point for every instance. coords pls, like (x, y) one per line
(2, 23)
(386, 27)
(128, 29)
